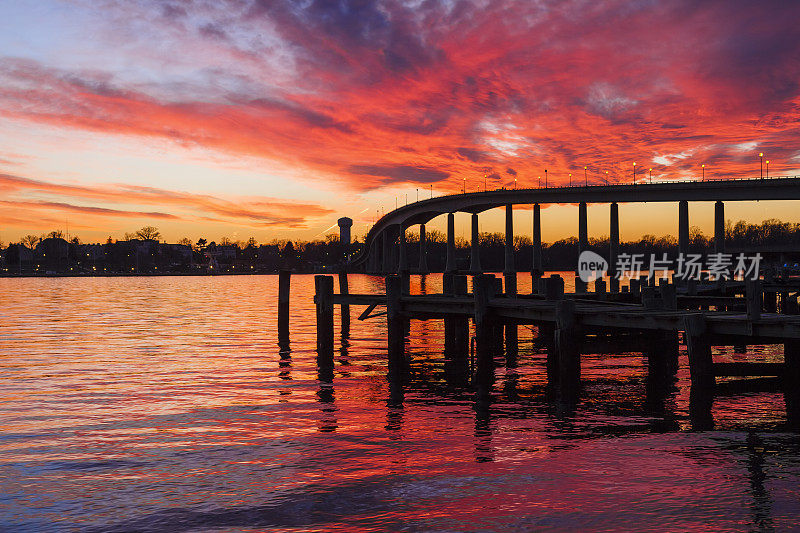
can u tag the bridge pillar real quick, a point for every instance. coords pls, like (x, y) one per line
(423, 245)
(719, 227)
(402, 263)
(613, 247)
(536, 270)
(451, 243)
(474, 247)
(509, 271)
(683, 227)
(509, 255)
(583, 243)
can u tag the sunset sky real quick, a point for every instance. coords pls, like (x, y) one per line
(271, 119)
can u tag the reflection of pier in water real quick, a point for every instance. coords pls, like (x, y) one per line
(524, 385)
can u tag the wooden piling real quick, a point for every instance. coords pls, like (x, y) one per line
(449, 323)
(701, 365)
(662, 356)
(483, 289)
(753, 297)
(511, 328)
(600, 288)
(344, 290)
(669, 296)
(701, 369)
(554, 289)
(567, 346)
(284, 285)
(770, 301)
(635, 287)
(461, 325)
(395, 322)
(324, 300)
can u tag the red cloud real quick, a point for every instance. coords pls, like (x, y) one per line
(446, 92)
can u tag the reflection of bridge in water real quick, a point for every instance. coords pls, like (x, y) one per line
(703, 315)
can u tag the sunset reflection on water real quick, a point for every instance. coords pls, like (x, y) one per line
(163, 403)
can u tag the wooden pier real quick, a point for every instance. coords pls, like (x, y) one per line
(655, 320)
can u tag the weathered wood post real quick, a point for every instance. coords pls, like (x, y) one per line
(554, 292)
(635, 287)
(456, 330)
(669, 296)
(284, 285)
(448, 289)
(753, 296)
(600, 288)
(498, 328)
(770, 301)
(344, 290)
(461, 325)
(566, 344)
(395, 322)
(701, 365)
(701, 369)
(324, 299)
(510, 275)
(555, 287)
(790, 307)
(483, 289)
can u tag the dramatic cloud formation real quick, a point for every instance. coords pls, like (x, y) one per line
(361, 96)
(250, 212)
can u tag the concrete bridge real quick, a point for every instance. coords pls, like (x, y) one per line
(385, 247)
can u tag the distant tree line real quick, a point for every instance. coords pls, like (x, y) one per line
(144, 252)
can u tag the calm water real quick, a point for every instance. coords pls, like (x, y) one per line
(163, 404)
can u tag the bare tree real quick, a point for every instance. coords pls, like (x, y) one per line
(129, 236)
(149, 233)
(57, 234)
(225, 241)
(30, 241)
(185, 242)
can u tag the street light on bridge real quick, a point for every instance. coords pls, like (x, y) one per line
(634, 172)
(607, 177)
(545, 178)
(767, 169)
(651, 175)
(570, 179)
(761, 156)
(704, 172)
(585, 179)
